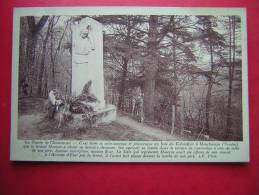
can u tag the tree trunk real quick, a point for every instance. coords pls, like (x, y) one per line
(207, 107)
(174, 94)
(23, 66)
(125, 60)
(30, 49)
(42, 63)
(53, 54)
(149, 97)
(209, 89)
(230, 74)
(123, 84)
(30, 59)
(52, 59)
(151, 69)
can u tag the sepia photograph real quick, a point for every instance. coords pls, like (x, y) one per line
(130, 77)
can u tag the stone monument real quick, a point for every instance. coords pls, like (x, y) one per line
(87, 64)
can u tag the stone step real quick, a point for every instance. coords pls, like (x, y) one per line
(104, 115)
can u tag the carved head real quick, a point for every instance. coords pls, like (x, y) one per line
(85, 32)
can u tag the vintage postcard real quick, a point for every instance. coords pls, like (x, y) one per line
(130, 84)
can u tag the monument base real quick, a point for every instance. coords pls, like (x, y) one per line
(107, 114)
(104, 115)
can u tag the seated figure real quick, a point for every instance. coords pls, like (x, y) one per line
(55, 101)
(55, 98)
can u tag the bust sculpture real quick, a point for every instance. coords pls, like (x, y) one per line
(84, 40)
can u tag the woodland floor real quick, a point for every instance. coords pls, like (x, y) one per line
(33, 124)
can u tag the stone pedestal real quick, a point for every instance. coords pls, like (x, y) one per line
(87, 57)
(87, 64)
(105, 115)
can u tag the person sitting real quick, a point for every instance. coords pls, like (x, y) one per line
(55, 99)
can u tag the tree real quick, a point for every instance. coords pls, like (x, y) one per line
(122, 49)
(175, 71)
(151, 68)
(43, 55)
(232, 23)
(33, 30)
(213, 42)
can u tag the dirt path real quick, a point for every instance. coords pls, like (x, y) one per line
(33, 125)
(145, 129)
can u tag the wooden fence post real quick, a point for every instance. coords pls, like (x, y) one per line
(173, 120)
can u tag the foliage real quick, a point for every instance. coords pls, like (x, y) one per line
(180, 61)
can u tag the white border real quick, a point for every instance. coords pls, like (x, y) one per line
(17, 152)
